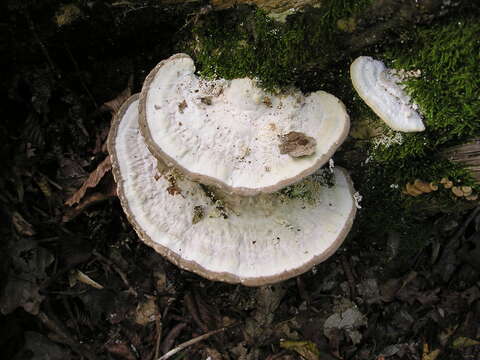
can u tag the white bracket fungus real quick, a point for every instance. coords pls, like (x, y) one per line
(248, 245)
(227, 133)
(381, 90)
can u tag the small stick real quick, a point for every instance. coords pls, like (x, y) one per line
(193, 341)
(42, 46)
(118, 270)
(192, 308)
(465, 225)
(302, 291)
(79, 74)
(167, 343)
(348, 273)
(158, 324)
(64, 337)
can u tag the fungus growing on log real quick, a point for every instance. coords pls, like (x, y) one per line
(249, 240)
(229, 133)
(380, 88)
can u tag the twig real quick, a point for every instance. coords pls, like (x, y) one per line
(446, 264)
(65, 338)
(42, 46)
(80, 78)
(277, 356)
(348, 273)
(70, 314)
(193, 341)
(158, 325)
(172, 335)
(118, 271)
(453, 242)
(465, 225)
(302, 290)
(193, 310)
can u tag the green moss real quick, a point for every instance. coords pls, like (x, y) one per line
(448, 55)
(249, 43)
(310, 188)
(447, 92)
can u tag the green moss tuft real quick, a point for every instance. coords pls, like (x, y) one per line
(447, 92)
(252, 44)
(310, 188)
(448, 55)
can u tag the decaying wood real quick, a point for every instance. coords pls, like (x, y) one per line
(467, 154)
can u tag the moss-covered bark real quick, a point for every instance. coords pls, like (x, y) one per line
(313, 50)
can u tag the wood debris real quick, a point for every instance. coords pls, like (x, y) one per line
(297, 144)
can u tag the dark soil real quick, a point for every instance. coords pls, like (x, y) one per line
(76, 283)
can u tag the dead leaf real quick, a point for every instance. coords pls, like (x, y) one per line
(182, 106)
(198, 214)
(463, 342)
(92, 181)
(306, 349)
(147, 311)
(445, 335)
(114, 105)
(390, 289)
(22, 226)
(268, 298)
(71, 174)
(348, 320)
(297, 144)
(173, 190)
(38, 347)
(212, 354)
(44, 186)
(120, 349)
(471, 294)
(429, 297)
(26, 274)
(429, 355)
(109, 191)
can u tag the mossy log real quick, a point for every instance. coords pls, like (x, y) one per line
(467, 154)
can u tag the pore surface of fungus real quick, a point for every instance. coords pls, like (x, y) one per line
(249, 240)
(383, 93)
(227, 133)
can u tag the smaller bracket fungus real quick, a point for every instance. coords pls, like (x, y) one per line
(249, 240)
(380, 88)
(228, 133)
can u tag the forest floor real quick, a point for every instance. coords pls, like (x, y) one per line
(76, 282)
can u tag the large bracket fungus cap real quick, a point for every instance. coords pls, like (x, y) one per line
(381, 91)
(261, 240)
(228, 133)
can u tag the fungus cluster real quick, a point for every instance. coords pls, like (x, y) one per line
(459, 191)
(419, 187)
(204, 169)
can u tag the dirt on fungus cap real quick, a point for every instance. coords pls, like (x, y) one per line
(227, 133)
(262, 240)
(384, 95)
